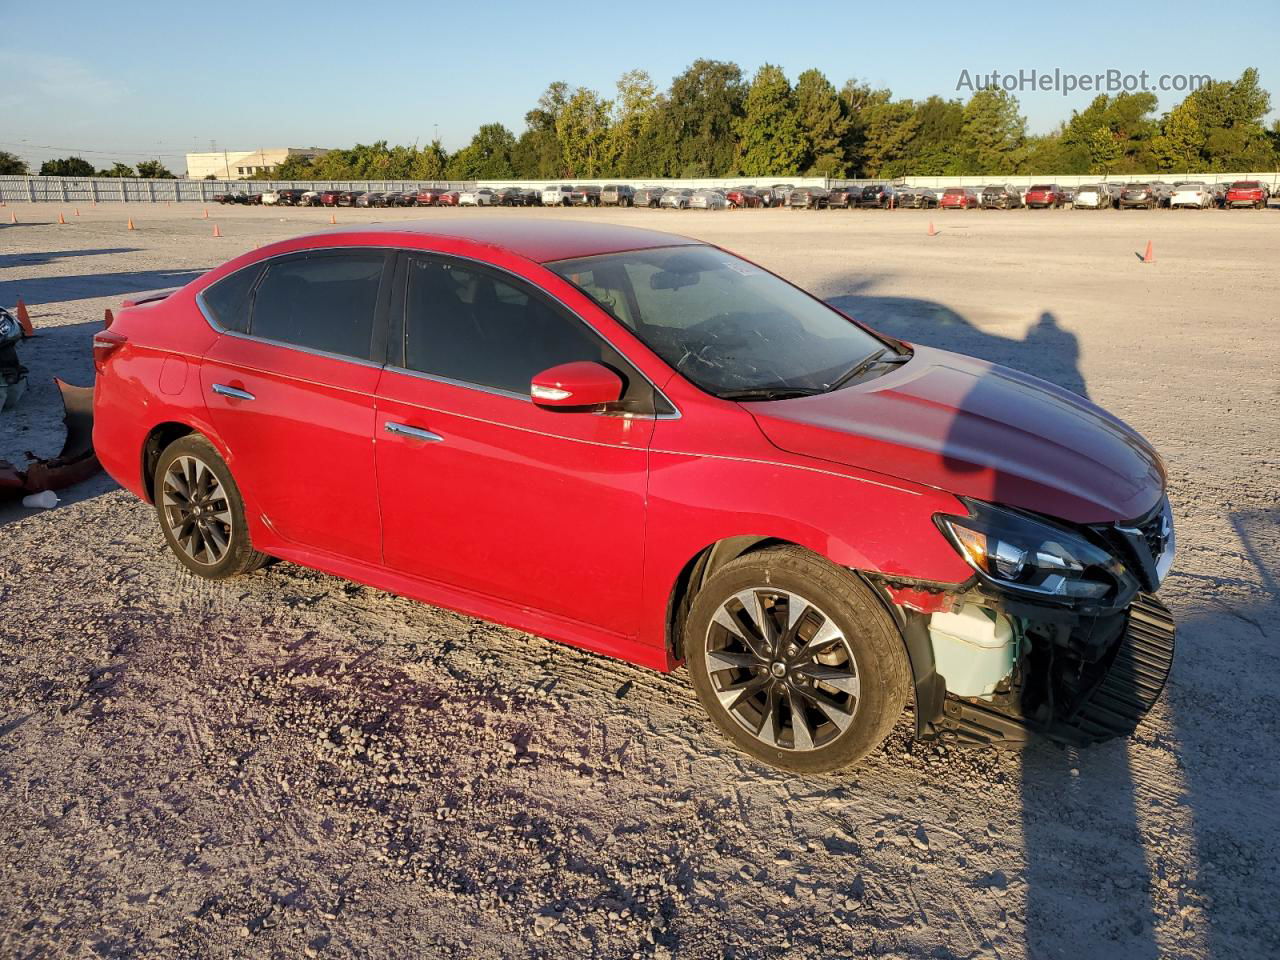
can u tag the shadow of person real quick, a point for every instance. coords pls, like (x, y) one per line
(1086, 876)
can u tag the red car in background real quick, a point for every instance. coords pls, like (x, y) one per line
(1247, 193)
(959, 198)
(447, 198)
(743, 197)
(1045, 195)
(330, 198)
(645, 446)
(430, 196)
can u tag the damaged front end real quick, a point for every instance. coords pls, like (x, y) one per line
(1057, 634)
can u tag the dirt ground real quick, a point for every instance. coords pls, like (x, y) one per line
(292, 765)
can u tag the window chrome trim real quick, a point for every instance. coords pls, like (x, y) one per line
(219, 328)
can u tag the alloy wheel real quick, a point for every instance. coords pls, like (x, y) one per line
(782, 668)
(197, 510)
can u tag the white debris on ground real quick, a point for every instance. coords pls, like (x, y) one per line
(293, 765)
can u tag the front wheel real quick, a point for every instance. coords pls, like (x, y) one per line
(795, 660)
(201, 511)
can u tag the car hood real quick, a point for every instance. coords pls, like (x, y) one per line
(980, 430)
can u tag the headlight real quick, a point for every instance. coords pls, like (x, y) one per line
(1023, 554)
(8, 326)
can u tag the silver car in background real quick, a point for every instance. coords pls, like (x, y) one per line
(677, 199)
(708, 200)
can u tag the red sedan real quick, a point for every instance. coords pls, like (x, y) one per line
(645, 446)
(1045, 195)
(959, 198)
(1247, 193)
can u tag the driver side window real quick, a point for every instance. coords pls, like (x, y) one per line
(473, 325)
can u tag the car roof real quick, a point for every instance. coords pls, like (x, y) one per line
(539, 240)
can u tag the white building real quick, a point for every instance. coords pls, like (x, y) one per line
(239, 164)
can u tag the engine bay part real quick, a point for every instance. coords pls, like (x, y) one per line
(974, 649)
(76, 462)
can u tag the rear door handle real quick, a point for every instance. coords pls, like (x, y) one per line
(223, 390)
(417, 433)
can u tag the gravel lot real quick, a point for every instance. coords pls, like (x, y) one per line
(292, 765)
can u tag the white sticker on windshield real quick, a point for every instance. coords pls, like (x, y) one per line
(746, 269)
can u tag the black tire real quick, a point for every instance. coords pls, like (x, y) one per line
(869, 644)
(236, 555)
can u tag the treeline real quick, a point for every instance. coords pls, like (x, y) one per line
(11, 165)
(714, 122)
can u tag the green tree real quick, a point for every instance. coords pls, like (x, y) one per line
(633, 117)
(824, 127)
(537, 154)
(67, 167)
(1104, 151)
(694, 128)
(856, 100)
(582, 128)
(769, 139)
(1181, 141)
(889, 127)
(1231, 115)
(153, 170)
(486, 157)
(118, 169)
(12, 165)
(993, 133)
(430, 163)
(933, 147)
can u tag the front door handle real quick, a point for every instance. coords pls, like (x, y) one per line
(417, 433)
(223, 390)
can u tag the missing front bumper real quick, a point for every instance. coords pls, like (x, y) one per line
(1127, 685)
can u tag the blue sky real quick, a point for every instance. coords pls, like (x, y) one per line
(161, 80)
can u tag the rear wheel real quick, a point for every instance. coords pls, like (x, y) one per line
(795, 660)
(201, 511)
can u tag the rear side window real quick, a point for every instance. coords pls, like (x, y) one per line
(478, 326)
(323, 301)
(228, 299)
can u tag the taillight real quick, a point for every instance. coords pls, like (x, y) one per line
(105, 343)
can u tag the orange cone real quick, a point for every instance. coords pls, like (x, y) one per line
(108, 318)
(206, 214)
(1150, 255)
(61, 218)
(24, 320)
(131, 226)
(13, 217)
(932, 231)
(77, 211)
(332, 218)
(216, 231)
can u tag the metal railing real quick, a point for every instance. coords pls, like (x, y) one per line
(88, 190)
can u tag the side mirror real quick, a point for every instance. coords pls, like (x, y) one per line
(582, 383)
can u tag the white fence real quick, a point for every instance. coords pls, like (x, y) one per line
(132, 190)
(108, 189)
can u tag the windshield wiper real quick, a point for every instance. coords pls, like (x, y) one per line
(865, 364)
(767, 393)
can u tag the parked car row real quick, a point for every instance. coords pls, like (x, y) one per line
(1120, 196)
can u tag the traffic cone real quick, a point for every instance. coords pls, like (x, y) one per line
(1150, 255)
(131, 226)
(332, 218)
(108, 318)
(24, 320)
(77, 211)
(61, 218)
(206, 214)
(13, 217)
(932, 231)
(216, 231)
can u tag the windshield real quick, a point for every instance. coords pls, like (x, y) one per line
(725, 324)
